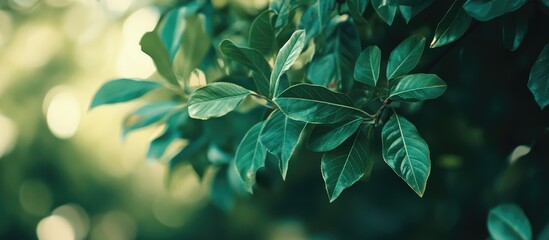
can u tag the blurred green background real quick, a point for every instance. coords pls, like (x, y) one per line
(65, 173)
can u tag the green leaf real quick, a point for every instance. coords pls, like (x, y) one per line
(367, 66)
(345, 165)
(514, 29)
(122, 90)
(416, 87)
(413, 9)
(326, 138)
(250, 58)
(250, 156)
(172, 26)
(322, 71)
(385, 11)
(280, 136)
(405, 151)
(151, 45)
(316, 18)
(405, 56)
(539, 78)
(282, 8)
(484, 10)
(159, 145)
(221, 193)
(508, 221)
(216, 100)
(452, 26)
(146, 115)
(316, 104)
(286, 58)
(262, 33)
(356, 8)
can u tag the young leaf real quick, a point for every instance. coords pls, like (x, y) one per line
(286, 58)
(345, 165)
(327, 138)
(405, 56)
(216, 100)
(122, 90)
(411, 10)
(405, 151)
(315, 104)
(514, 29)
(280, 136)
(538, 83)
(316, 18)
(508, 221)
(146, 115)
(483, 10)
(250, 156)
(386, 11)
(151, 45)
(416, 87)
(356, 8)
(452, 26)
(367, 66)
(250, 58)
(262, 33)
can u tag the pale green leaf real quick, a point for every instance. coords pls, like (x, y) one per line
(405, 56)
(452, 26)
(286, 57)
(147, 115)
(405, 151)
(262, 33)
(508, 222)
(356, 8)
(250, 156)
(216, 100)
(416, 87)
(367, 66)
(326, 138)
(172, 26)
(539, 78)
(385, 11)
(280, 136)
(122, 90)
(152, 45)
(485, 10)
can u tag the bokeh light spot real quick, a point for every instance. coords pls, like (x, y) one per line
(35, 197)
(54, 228)
(63, 114)
(8, 135)
(77, 217)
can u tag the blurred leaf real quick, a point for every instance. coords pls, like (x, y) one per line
(282, 8)
(322, 71)
(146, 115)
(217, 155)
(385, 11)
(413, 9)
(538, 82)
(356, 8)
(484, 10)
(187, 152)
(250, 156)
(452, 26)
(286, 57)
(405, 151)
(159, 145)
(280, 136)
(252, 59)
(329, 137)
(507, 221)
(416, 87)
(173, 24)
(151, 44)
(367, 66)
(345, 165)
(405, 56)
(122, 90)
(316, 18)
(315, 104)
(216, 100)
(514, 29)
(195, 44)
(346, 47)
(221, 193)
(262, 33)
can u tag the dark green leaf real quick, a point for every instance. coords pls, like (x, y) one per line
(345, 165)
(216, 100)
(262, 33)
(452, 26)
(159, 145)
(385, 11)
(405, 56)
(280, 136)
(151, 44)
(122, 90)
(250, 156)
(146, 115)
(416, 87)
(405, 151)
(252, 59)
(539, 78)
(322, 71)
(484, 10)
(221, 193)
(411, 10)
(367, 66)
(507, 221)
(326, 138)
(188, 152)
(316, 104)
(286, 57)
(514, 29)
(282, 8)
(356, 8)
(316, 18)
